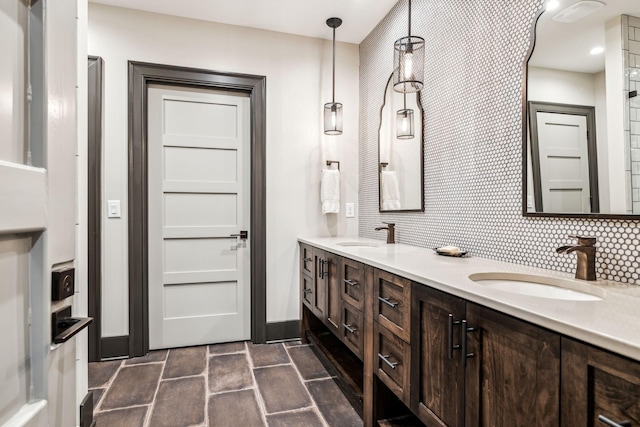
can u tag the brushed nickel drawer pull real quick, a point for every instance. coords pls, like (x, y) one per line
(349, 328)
(385, 359)
(308, 291)
(451, 346)
(465, 330)
(351, 282)
(611, 423)
(307, 259)
(390, 303)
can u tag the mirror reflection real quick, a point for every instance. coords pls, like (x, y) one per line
(400, 152)
(582, 152)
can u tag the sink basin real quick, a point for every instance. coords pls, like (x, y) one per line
(539, 286)
(360, 244)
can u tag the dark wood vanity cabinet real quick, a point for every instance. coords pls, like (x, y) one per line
(512, 377)
(456, 363)
(474, 366)
(597, 384)
(437, 371)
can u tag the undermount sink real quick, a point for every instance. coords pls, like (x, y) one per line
(360, 244)
(539, 286)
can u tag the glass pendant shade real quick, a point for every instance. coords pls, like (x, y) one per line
(408, 64)
(333, 118)
(404, 124)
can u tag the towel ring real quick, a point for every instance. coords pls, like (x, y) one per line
(330, 162)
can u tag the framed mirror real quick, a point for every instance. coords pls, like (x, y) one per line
(581, 112)
(400, 152)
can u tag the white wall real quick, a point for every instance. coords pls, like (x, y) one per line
(298, 72)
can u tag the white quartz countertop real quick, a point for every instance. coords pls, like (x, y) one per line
(612, 323)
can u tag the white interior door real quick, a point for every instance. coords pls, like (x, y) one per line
(198, 185)
(564, 162)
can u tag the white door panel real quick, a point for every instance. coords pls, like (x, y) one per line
(198, 197)
(564, 162)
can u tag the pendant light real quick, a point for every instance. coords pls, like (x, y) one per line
(333, 109)
(404, 121)
(408, 62)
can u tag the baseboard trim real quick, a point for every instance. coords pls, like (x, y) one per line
(278, 331)
(111, 347)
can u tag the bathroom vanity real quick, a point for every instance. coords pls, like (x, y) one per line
(402, 324)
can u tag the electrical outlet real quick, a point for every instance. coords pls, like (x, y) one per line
(350, 209)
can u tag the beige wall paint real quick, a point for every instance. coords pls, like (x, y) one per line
(298, 71)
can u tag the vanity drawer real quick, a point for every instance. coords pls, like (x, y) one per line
(392, 303)
(307, 290)
(306, 260)
(351, 329)
(353, 282)
(392, 357)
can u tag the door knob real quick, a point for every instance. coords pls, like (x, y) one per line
(244, 235)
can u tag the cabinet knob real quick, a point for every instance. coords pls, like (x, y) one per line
(611, 423)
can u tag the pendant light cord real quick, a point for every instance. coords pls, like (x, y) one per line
(333, 84)
(409, 18)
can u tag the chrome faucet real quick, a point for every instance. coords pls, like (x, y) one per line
(586, 267)
(391, 231)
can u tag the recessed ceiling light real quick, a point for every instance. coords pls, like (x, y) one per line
(552, 5)
(577, 11)
(596, 50)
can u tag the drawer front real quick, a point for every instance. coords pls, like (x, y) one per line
(353, 282)
(351, 329)
(306, 260)
(392, 357)
(307, 290)
(392, 303)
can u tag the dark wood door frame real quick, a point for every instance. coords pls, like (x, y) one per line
(140, 76)
(94, 203)
(589, 113)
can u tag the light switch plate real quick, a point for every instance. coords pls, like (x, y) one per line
(113, 209)
(350, 209)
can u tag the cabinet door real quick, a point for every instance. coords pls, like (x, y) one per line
(333, 291)
(437, 374)
(306, 260)
(392, 303)
(352, 282)
(513, 377)
(597, 384)
(319, 292)
(307, 285)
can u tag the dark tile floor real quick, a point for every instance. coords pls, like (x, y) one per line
(223, 385)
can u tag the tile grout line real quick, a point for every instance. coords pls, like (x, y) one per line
(261, 404)
(313, 401)
(147, 420)
(206, 386)
(107, 386)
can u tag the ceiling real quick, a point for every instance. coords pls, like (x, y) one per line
(301, 17)
(566, 46)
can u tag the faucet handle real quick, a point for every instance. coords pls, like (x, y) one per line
(584, 240)
(390, 224)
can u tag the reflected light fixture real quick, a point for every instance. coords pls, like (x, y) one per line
(552, 5)
(596, 50)
(404, 122)
(333, 109)
(408, 62)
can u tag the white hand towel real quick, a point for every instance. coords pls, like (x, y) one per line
(390, 190)
(330, 191)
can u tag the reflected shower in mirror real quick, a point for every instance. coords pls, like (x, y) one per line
(582, 145)
(400, 152)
